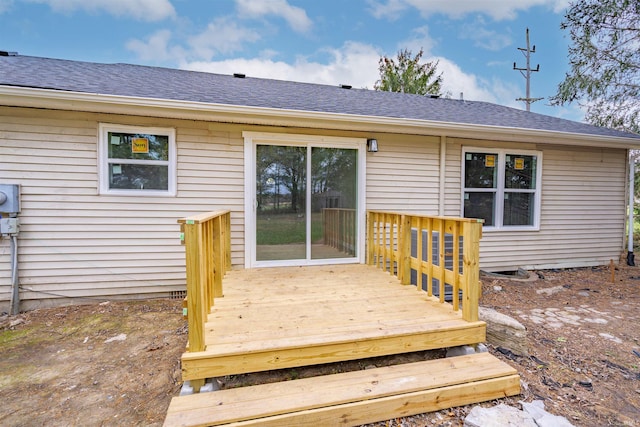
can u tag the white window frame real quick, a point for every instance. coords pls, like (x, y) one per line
(251, 140)
(104, 160)
(500, 188)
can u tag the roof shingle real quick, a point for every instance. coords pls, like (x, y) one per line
(182, 85)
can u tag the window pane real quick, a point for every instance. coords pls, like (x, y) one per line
(138, 146)
(334, 187)
(480, 205)
(138, 177)
(281, 191)
(520, 172)
(481, 170)
(518, 208)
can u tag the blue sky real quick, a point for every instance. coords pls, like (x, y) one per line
(321, 41)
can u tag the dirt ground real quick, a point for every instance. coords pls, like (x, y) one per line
(117, 363)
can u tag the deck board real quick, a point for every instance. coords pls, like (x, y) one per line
(270, 317)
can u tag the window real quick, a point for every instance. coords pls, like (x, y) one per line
(502, 187)
(137, 161)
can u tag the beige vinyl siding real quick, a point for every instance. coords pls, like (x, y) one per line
(404, 174)
(582, 212)
(78, 244)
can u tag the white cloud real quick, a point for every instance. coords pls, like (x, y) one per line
(484, 38)
(497, 9)
(145, 10)
(156, 48)
(355, 64)
(391, 9)
(223, 35)
(420, 39)
(456, 82)
(296, 17)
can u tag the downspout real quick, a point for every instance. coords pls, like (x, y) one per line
(443, 159)
(632, 173)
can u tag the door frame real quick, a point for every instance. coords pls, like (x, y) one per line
(251, 140)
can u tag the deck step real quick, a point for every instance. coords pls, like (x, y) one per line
(352, 398)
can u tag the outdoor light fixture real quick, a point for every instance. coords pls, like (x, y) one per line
(372, 145)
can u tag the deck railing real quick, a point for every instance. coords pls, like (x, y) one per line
(437, 254)
(207, 240)
(339, 229)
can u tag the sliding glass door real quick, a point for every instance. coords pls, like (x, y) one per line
(306, 203)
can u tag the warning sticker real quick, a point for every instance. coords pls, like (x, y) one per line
(140, 145)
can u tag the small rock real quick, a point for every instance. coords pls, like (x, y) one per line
(541, 417)
(550, 291)
(497, 288)
(586, 382)
(504, 331)
(611, 338)
(583, 293)
(481, 348)
(460, 351)
(121, 337)
(500, 415)
(16, 322)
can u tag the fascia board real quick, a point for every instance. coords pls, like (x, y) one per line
(190, 110)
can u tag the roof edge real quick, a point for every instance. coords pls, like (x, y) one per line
(191, 110)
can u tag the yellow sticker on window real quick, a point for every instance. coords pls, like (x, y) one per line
(518, 163)
(140, 145)
(490, 161)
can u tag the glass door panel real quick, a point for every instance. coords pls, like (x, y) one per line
(281, 192)
(334, 188)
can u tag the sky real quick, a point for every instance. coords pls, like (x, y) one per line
(475, 42)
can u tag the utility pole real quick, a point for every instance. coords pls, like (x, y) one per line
(526, 72)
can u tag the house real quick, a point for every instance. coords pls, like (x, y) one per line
(109, 156)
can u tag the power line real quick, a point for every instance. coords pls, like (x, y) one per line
(526, 73)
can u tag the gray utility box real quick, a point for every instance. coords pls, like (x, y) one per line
(9, 226)
(9, 198)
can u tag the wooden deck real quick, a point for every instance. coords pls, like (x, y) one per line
(274, 318)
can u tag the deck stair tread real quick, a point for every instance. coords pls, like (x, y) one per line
(352, 398)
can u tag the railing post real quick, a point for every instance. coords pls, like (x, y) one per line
(218, 258)
(404, 249)
(227, 240)
(472, 231)
(370, 237)
(196, 309)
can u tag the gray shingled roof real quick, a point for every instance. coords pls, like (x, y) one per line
(181, 85)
